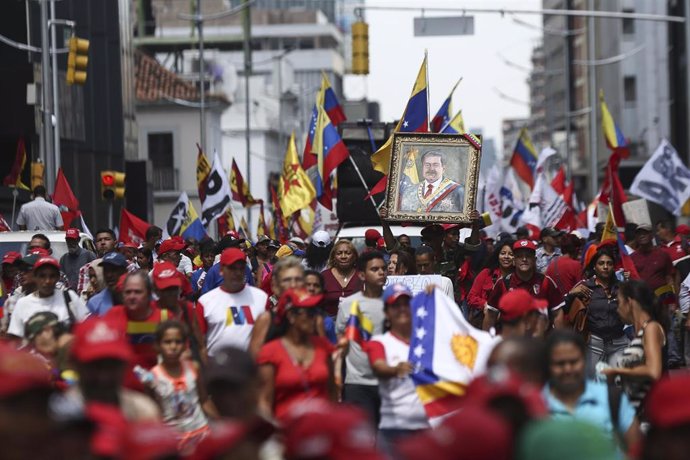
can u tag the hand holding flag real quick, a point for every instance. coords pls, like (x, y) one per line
(358, 328)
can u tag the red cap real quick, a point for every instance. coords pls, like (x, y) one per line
(372, 235)
(11, 257)
(226, 435)
(683, 229)
(296, 298)
(483, 390)
(39, 252)
(20, 371)
(381, 243)
(171, 244)
(319, 429)
(447, 227)
(100, 338)
(668, 403)
(130, 244)
(72, 233)
(165, 275)
(518, 303)
(472, 433)
(525, 244)
(231, 255)
(46, 260)
(147, 440)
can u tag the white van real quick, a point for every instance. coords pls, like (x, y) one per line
(19, 241)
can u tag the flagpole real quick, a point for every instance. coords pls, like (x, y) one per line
(364, 183)
(15, 192)
(426, 69)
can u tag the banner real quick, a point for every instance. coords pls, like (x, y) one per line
(217, 193)
(416, 283)
(132, 229)
(664, 179)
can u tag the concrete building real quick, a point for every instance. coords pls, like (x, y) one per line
(292, 44)
(632, 68)
(540, 127)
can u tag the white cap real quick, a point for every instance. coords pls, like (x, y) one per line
(296, 240)
(321, 239)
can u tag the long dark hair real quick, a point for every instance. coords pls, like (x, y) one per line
(492, 261)
(405, 259)
(317, 256)
(604, 251)
(643, 294)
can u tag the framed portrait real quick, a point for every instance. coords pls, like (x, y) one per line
(433, 177)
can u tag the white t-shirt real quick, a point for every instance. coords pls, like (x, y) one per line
(401, 408)
(231, 316)
(28, 306)
(447, 287)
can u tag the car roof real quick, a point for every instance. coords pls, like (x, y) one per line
(25, 235)
(358, 231)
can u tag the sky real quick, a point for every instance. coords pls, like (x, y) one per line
(395, 55)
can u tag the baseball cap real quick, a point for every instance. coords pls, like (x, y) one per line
(274, 244)
(231, 365)
(100, 338)
(321, 238)
(225, 435)
(447, 227)
(231, 255)
(372, 234)
(683, 229)
(668, 403)
(171, 244)
(473, 433)
(550, 231)
(165, 275)
(296, 240)
(319, 429)
(38, 252)
(46, 260)
(38, 322)
(518, 303)
(20, 372)
(72, 233)
(525, 244)
(114, 258)
(11, 257)
(644, 227)
(263, 239)
(392, 292)
(296, 298)
(432, 229)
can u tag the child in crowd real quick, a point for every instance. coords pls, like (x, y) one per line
(175, 384)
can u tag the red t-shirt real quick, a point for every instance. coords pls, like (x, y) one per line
(653, 267)
(481, 287)
(194, 313)
(566, 272)
(539, 286)
(142, 337)
(674, 249)
(293, 383)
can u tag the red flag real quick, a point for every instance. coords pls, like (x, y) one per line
(64, 198)
(132, 229)
(280, 222)
(14, 178)
(239, 188)
(559, 181)
(380, 187)
(612, 192)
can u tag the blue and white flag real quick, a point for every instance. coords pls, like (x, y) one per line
(446, 352)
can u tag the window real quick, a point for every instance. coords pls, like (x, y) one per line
(162, 161)
(629, 89)
(628, 24)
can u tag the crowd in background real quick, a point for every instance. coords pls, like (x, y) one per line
(178, 348)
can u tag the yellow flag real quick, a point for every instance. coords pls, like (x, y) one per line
(381, 160)
(295, 190)
(203, 171)
(609, 232)
(261, 226)
(411, 167)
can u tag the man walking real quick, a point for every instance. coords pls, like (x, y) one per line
(39, 214)
(75, 258)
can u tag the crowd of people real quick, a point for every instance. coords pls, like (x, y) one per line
(238, 349)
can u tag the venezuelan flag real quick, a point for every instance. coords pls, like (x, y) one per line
(358, 328)
(524, 159)
(442, 117)
(613, 135)
(414, 120)
(192, 226)
(331, 103)
(455, 126)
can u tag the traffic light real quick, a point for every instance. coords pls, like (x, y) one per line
(77, 61)
(360, 48)
(112, 185)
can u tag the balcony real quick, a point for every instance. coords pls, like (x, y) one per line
(165, 178)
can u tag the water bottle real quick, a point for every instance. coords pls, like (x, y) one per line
(144, 376)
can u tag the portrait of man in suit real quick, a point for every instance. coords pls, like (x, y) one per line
(435, 192)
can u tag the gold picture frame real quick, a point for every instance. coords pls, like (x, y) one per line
(433, 177)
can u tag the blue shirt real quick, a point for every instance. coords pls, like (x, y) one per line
(593, 407)
(100, 303)
(214, 278)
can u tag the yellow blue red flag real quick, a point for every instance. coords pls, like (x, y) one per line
(456, 125)
(612, 133)
(524, 159)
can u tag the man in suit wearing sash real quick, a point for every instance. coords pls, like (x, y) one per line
(435, 193)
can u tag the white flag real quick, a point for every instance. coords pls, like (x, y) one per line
(664, 179)
(512, 205)
(217, 193)
(492, 200)
(540, 172)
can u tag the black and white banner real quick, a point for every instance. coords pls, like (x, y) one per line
(217, 193)
(664, 179)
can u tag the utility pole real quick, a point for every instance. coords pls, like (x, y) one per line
(202, 77)
(247, 33)
(56, 88)
(566, 54)
(47, 100)
(593, 144)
